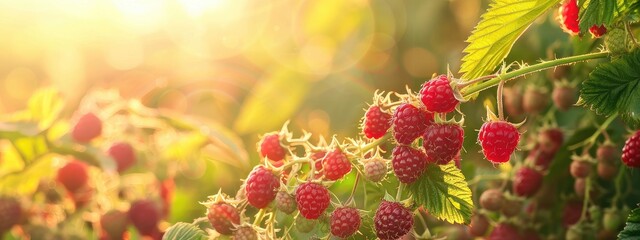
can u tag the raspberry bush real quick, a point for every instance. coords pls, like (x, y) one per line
(558, 146)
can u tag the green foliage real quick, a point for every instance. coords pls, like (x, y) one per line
(597, 13)
(494, 36)
(443, 191)
(184, 231)
(613, 87)
(632, 229)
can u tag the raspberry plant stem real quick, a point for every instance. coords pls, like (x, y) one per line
(585, 202)
(259, 216)
(374, 144)
(470, 90)
(618, 184)
(499, 97)
(593, 138)
(399, 193)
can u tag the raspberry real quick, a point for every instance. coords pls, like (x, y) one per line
(375, 169)
(540, 158)
(563, 97)
(114, 224)
(512, 101)
(597, 31)
(376, 122)
(571, 213)
(285, 202)
(437, 95)
(335, 165)
(409, 123)
(318, 157)
(305, 225)
(408, 163)
(261, 187)
(580, 187)
(392, 220)
(167, 187)
(534, 100)
(479, 225)
(345, 221)
(492, 199)
(526, 182)
(123, 154)
(82, 196)
(312, 199)
(617, 41)
(511, 208)
(88, 127)
(607, 171)
(569, 17)
(580, 169)
(607, 153)
(222, 217)
(498, 140)
(550, 140)
(631, 151)
(613, 219)
(145, 216)
(10, 213)
(442, 142)
(504, 231)
(270, 147)
(245, 233)
(74, 175)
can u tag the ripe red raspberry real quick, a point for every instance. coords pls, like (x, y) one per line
(569, 17)
(564, 97)
(74, 175)
(498, 140)
(504, 231)
(512, 101)
(597, 31)
(437, 95)
(123, 154)
(145, 216)
(271, 148)
(534, 100)
(526, 182)
(312, 199)
(408, 163)
(442, 142)
(222, 217)
(409, 123)
(88, 127)
(375, 169)
(10, 213)
(607, 171)
(479, 225)
(631, 151)
(607, 153)
(550, 140)
(571, 213)
(345, 221)
(376, 122)
(261, 187)
(492, 199)
(245, 233)
(285, 202)
(335, 165)
(540, 158)
(392, 220)
(114, 224)
(580, 169)
(317, 158)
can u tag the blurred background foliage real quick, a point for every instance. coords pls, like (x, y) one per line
(229, 71)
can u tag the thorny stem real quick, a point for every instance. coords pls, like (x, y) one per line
(375, 143)
(499, 96)
(480, 79)
(399, 193)
(470, 90)
(290, 164)
(355, 185)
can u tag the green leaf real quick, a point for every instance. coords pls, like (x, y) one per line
(272, 102)
(597, 12)
(184, 231)
(499, 29)
(632, 229)
(45, 107)
(443, 191)
(613, 87)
